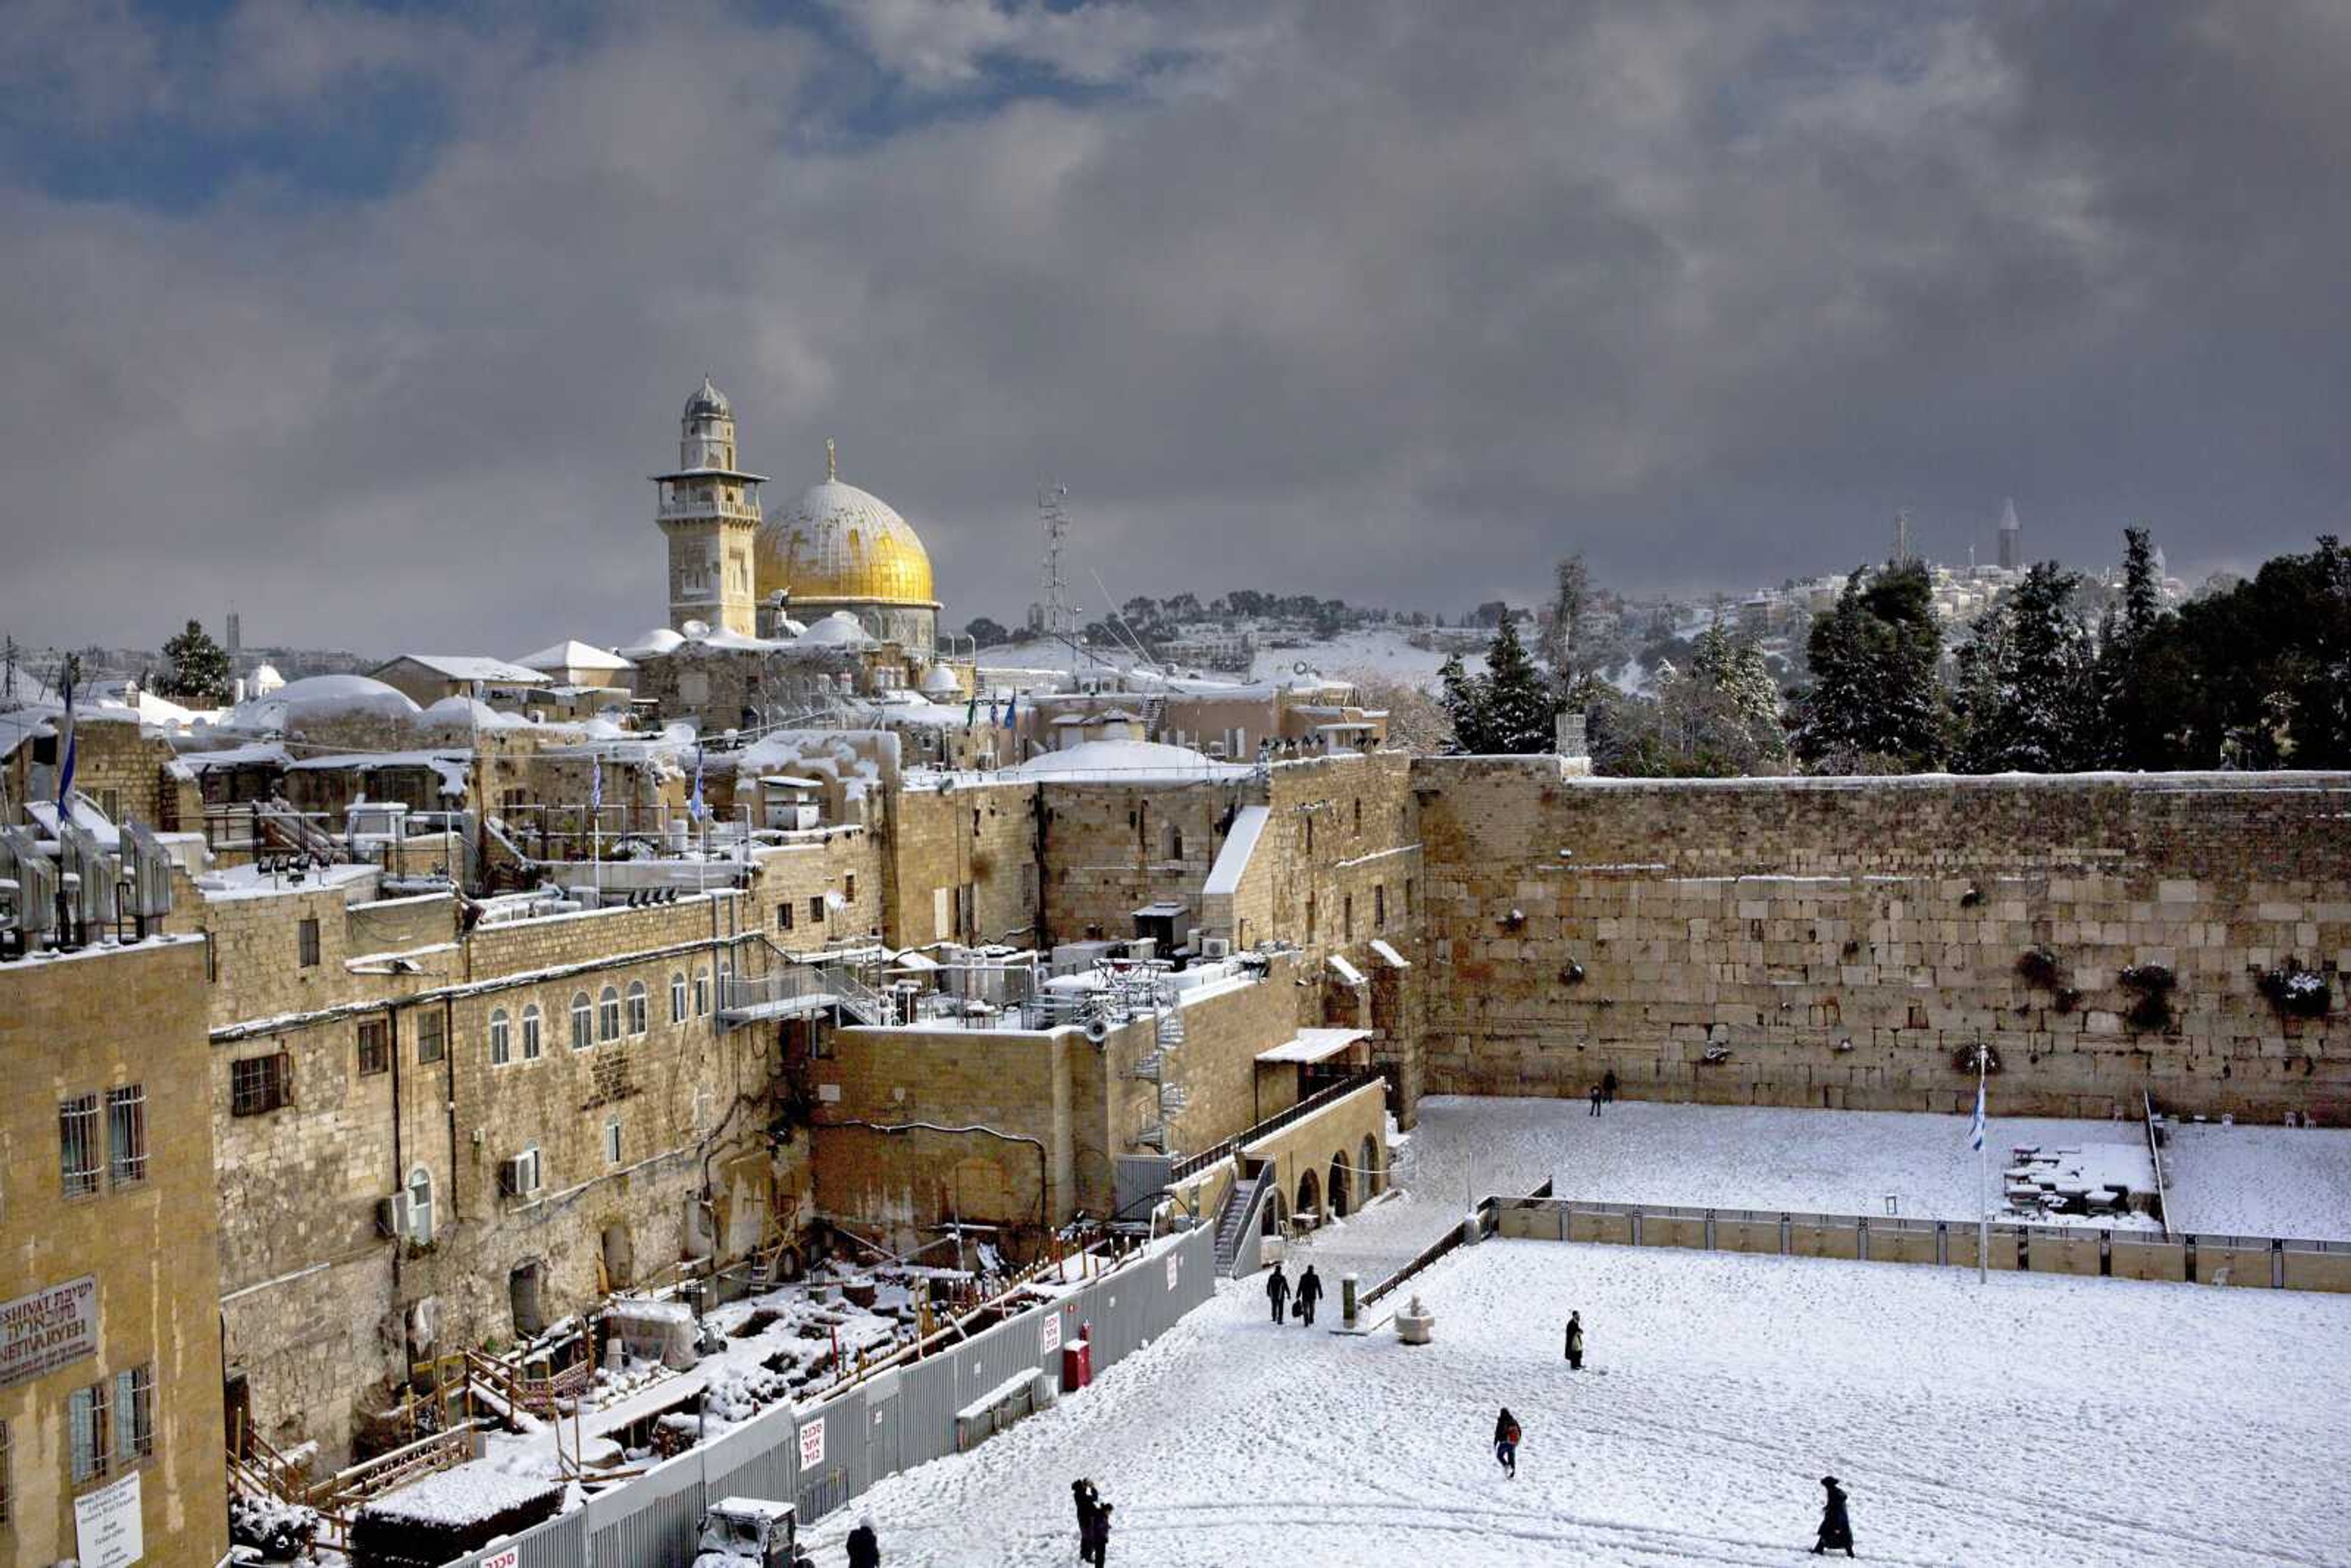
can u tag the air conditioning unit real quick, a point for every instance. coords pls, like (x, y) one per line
(518, 1178)
(1215, 948)
(391, 1215)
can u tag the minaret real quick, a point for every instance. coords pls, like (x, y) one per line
(2011, 539)
(709, 512)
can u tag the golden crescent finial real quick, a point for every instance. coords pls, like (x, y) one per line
(831, 461)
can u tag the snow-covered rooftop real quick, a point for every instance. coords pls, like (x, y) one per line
(574, 655)
(471, 667)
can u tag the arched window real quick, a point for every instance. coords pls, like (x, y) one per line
(530, 1032)
(608, 1014)
(677, 997)
(637, 1006)
(419, 1206)
(584, 1022)
(702, 993)
(501, 1039)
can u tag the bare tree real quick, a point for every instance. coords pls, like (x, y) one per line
(1417, 721)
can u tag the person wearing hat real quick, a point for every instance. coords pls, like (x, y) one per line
(1836, 1529)
(865, 1546)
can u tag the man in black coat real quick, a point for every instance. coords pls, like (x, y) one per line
(1310, 1291)
(1595, 1098)
(1575, 1341)
(1836, 1529)
(1093, 1534)
(865, 1546)
(1277, 1290)
(1608, 1087)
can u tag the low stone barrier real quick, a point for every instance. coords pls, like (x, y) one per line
(2088, 1251)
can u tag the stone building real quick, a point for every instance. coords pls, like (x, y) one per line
(708, 511)
(110, 1342)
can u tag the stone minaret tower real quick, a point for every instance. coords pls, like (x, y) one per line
(709, 512)
(2011, 539)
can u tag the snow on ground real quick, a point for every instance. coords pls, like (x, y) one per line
(2034, 1419)
(2269, 1182)
(2260, 1181)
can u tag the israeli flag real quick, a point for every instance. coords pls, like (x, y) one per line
(694, 807)
(66, 763)
(1975, 1132)
(595, 783)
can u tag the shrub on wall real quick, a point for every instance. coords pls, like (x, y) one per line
(2296, 992)
(2038, 966)
(2152, 984)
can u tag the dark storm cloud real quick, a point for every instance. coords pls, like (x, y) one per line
(1396, 302)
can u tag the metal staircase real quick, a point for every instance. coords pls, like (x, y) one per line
(1241, 1206)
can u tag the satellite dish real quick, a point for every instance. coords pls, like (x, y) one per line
(1298, 668)
(694, 630)
(1097, 1029)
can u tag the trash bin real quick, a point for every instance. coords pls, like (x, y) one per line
(1077, 1365)
(1347, 1308)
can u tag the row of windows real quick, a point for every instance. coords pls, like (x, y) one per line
(91, 1154)
(601, 1019)
(110, 1423)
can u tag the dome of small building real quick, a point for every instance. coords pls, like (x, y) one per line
(840, 628)
(652, 644)
(708, 402)
(938, 681)
(835, 543)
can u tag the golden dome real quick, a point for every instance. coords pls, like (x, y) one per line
(837, 543)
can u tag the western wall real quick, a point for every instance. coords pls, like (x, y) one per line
(1845, 942)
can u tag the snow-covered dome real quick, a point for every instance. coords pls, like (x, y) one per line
(322, 697)
(461, 713)
(708, 402)
(266, 680)
(938, 681)
(652, 644)
(835, 542)
(1132, 761)
(839, 628)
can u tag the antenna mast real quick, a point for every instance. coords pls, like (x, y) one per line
(1061, 616)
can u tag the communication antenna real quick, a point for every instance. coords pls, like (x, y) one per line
(1902, 537)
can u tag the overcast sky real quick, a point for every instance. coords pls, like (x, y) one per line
(373, 321)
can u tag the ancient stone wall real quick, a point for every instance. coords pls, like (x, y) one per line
(969, 849)
(1110, 849)
(1832, 942)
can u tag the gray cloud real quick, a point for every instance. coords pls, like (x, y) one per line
(1352, 299)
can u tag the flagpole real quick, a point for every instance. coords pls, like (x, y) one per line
(1983, 1178)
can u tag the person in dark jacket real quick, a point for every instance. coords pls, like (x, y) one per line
(1277, 1290)
(1506, 1442)
(1083, 1493)
(865, 1546)
(1595, 1098)
(1310, 1291)
(1575, 1341)
(1093, 1534)
(1608, 1087)
(1836, 1529)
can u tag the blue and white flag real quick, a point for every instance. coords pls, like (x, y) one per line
(595, 783)
(1975, 1132)
(1011, 707)
(66, 762)
(694, 808)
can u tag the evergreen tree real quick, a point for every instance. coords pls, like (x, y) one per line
(2140, 677)
(2028, 694)
(199, 674)
(1510, 709)
(1875, 703)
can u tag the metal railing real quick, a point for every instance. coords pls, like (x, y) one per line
(1192, 1164)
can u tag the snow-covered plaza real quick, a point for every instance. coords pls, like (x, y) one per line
(2028, 1419)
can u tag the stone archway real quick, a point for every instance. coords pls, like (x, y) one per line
(1310, 1200)
(1341, 1190)
(1367, 1168)
(1276, 1214)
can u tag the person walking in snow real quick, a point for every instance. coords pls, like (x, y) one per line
(1277, 1290)
(1310, 1291)
(1506, 1442)
(1608, 1087)
(1087, 1499)
(1575, 1341)
(1595, 1098)
(1836, 1529)
(865, 1546)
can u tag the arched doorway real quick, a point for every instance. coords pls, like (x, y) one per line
(1368, 1167)
(1340, 1186)
(1276, 1212)
(1310, 1200)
